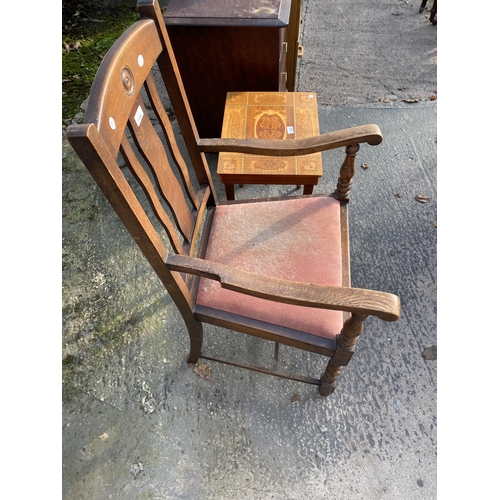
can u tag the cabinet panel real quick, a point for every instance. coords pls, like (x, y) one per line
(215, 60)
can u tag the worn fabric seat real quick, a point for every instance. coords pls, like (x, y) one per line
(298, 240)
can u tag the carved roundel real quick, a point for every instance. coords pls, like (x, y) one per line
(128, 80)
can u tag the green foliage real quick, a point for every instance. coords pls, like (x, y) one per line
(88, 33)
(75, 10)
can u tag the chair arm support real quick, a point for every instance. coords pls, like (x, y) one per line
(355, 300)
(370, 134)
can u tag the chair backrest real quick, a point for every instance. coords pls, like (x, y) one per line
(124, 104)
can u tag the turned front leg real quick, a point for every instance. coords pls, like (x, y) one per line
(346, 340)
(346, 174)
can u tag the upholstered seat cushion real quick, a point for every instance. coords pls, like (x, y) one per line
(297, 239)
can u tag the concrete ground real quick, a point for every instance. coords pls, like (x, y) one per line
(138, 422)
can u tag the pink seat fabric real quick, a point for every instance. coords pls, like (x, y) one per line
(297, 239)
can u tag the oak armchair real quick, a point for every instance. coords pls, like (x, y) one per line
(277, 269)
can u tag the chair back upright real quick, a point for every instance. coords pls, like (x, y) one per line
(161, 205)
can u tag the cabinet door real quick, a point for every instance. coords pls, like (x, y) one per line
(214, 60)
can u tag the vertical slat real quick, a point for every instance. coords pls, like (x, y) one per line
(166, 126)
(151, 148)
(205, 195)
(192, 280)
(149, 190)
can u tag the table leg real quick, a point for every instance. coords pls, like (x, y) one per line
(308, 189)
(229, 191)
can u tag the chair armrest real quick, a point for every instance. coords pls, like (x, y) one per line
(370, 134)
(355, 300)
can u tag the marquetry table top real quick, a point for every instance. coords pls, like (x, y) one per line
(270, 115)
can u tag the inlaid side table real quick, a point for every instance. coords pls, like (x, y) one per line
(270, 115)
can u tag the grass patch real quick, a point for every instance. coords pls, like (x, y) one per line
(86, 37)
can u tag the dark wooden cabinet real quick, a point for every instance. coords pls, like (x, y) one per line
(230, 46)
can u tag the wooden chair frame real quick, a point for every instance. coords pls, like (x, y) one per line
(116, 103)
